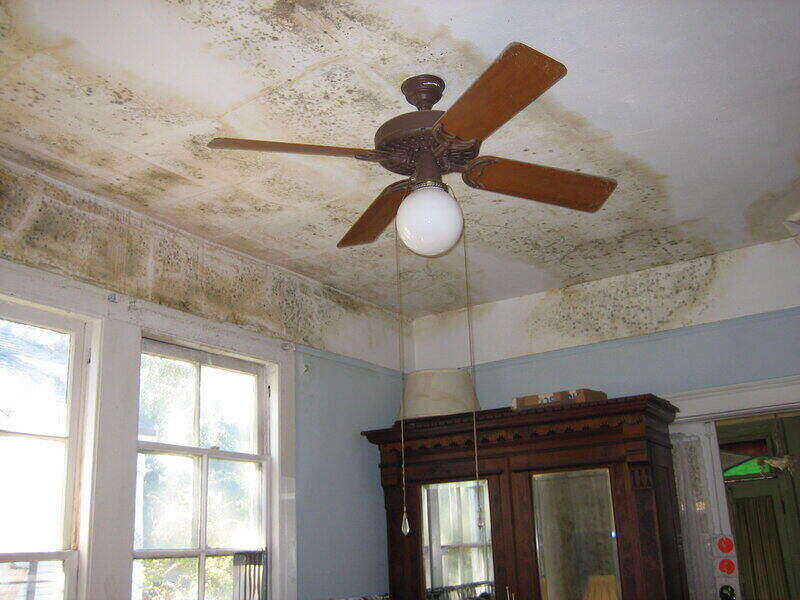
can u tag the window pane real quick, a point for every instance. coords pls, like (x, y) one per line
(34, 369)
(165, 579)
(32, 580)
(165, 505)
(219, 578)
(228, 413)
(31, 494)
(457, 538)
(167, 396)
(234, 505)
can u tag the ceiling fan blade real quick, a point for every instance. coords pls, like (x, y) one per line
(377, 217)
(266, 146)
(515, 79)
(536, 182)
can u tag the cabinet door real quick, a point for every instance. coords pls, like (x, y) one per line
(566, 536)
(463, 552)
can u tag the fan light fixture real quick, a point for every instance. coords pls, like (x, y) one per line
(429, 220)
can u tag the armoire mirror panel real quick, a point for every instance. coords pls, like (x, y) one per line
(457, 540)
(575, 535)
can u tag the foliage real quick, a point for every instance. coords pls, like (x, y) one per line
(167, 402)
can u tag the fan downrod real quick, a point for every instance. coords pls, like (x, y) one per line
(423, 91)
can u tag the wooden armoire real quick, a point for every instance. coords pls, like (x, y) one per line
(573, 502)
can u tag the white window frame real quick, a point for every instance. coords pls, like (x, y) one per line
(79, 351)
(260, 457)
(115, 326)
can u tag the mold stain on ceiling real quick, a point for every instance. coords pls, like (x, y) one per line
(119, 99)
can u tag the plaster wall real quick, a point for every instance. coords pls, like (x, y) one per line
(341, 521)
(56, 227)
(727, 285)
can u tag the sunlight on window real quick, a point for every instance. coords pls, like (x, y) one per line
(34, 365)
(167, 399)
(219, 578)
(165, 579)
(165, 492)
(203, 495)
(31, 501)
(227, 409)
(234, 505)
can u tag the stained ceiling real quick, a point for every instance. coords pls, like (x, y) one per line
(694, 107)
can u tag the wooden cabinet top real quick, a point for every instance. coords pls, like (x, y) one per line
(651, 412)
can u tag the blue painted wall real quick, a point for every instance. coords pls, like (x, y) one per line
(341, 547)
(722, 353)
(341, 521)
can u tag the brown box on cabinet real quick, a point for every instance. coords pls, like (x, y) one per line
(582, 395)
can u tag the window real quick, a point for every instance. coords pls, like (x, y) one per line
(201, 488)
(40, 378)
(457, 539)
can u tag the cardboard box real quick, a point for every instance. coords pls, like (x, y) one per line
(582, 395)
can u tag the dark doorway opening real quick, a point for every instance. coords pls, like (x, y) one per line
(761, 481)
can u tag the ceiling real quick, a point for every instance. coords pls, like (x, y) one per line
(692, 106)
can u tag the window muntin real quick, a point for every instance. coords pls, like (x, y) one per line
(457, 538)
(38, 580)
(41, 375)
(201, 477)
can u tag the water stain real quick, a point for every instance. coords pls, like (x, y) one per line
(766, 215)
(16, 200)
(330, 73)
(626, 305)
(48, 225)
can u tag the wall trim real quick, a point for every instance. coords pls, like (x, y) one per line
(739, 399)
(346, 360)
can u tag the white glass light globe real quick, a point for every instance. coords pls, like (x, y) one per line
(429, 220)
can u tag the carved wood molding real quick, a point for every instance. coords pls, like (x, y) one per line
(641, 476)
(504, 435)
(506, 424)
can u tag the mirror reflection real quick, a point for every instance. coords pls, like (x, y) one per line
(576, 544)
(457, 541)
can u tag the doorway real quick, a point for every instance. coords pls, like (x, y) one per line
(761, 469)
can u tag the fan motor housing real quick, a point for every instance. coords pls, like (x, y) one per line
(406, 135)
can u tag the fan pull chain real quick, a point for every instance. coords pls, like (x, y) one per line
(471, 347)
(404, 525)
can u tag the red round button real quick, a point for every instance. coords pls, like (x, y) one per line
(725, 544)
(727, 566)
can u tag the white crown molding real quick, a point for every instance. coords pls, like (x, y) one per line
(741, 399)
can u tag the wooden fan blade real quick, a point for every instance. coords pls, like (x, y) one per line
(380, 213)
(266, 146)
(536, 182)
(515, 79)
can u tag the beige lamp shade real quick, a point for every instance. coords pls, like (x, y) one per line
(433, 392)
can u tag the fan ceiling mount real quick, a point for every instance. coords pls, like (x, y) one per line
(426, 144)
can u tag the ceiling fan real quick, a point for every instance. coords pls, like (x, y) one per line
(426, 144)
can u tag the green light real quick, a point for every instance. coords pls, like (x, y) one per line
(752, 466)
